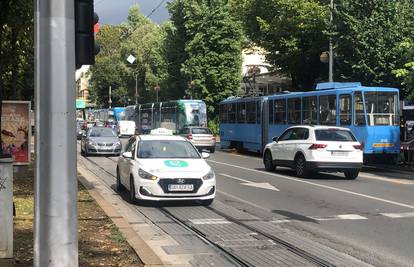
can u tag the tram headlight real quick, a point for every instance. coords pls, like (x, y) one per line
(209, 175)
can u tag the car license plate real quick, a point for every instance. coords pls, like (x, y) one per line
(339, 153)
(180, 187)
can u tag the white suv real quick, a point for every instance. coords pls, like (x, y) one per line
(309, 149)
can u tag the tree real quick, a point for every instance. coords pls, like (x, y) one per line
(369, 37)
(406, 72)
(292, 33)
(207, 51)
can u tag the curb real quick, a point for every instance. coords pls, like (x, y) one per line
(144, 252)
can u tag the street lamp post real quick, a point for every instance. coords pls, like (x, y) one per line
(136, 89)
(331, 54)
(110, 97)
(157, 89)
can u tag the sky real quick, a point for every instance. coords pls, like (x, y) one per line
(116, 11)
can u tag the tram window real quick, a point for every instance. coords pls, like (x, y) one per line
(309, 112)
(345, 115)
(381, 108)
(359, 109)
(241, 112)
(223, 113)
(258, 112)
(294, 110)
(327, 110)
(271, 103)
(251, 112)
(279, 111)
(231, 115)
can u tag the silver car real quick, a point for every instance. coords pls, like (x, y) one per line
(201, 137)
(100, 141)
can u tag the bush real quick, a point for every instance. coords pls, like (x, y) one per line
(214, 126)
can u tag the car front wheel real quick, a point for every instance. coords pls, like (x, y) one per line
(119, 186)
(351, 174)
(268, 161)
(132, 198)
(300, 166)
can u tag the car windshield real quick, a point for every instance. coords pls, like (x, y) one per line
(101, 132)
(200, 131)
(334, 135)
(166, 149)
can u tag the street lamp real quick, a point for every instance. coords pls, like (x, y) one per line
(131, 59)
(192, 85)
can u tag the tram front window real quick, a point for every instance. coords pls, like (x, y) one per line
(381, 108)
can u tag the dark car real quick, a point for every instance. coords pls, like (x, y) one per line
(79, 130)
(100, 141)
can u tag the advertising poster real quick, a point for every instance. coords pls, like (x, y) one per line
(16, 131)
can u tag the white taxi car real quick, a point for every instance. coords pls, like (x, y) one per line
(160, 168)
(308, 149)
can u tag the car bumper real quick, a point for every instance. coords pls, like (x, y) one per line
(99, 151)
(333, 166)
(151, 190)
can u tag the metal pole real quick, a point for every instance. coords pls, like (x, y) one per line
(55, 226)
(110, 98)
(331, 53)
(136, 89)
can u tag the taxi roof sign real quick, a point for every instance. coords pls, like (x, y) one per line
(161, 131)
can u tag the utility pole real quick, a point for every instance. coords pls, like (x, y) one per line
(136, 89)
(55, 226)
(331, 53)
(110, 97)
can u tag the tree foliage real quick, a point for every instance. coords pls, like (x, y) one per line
(292, 33)
(16, 49)
(207, 50)
(141, 38)
(370, 38)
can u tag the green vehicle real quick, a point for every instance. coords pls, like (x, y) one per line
(172, 115)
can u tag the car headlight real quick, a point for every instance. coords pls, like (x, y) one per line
(209, 175)
(91, 143)
(146, 175)
(117, 143)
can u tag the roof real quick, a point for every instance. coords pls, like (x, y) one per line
(316, 127)
(149, 137)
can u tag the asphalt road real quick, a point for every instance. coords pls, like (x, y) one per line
(370, 218)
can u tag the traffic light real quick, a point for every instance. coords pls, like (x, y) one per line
(85, 21)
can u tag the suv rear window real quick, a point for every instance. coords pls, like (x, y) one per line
(200, 131)
(334, 135)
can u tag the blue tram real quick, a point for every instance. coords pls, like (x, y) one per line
(372, 113)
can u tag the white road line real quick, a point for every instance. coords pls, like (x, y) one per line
(281, 221)
(318, 185)
(250, 183)
(399, 215)
(209, 221)
(339, 217)
(389, 180)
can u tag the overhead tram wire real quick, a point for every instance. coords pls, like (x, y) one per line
(155, 9)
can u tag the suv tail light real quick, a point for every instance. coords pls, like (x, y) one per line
(189, 137)
(317, 146)
(359, 147)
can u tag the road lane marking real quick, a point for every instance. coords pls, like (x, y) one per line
(319, 185)
(209, 221)
(250, 183)
(339, 217)
(399, 215)
(389, 180)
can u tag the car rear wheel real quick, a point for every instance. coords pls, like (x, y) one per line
(351, 174)
(300, 166)
(132, 198)
(119, 186)
(207, 202)
(268, 161)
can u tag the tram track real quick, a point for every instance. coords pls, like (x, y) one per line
(225, 252)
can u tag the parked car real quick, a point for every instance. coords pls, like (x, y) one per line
(309, 149)
(126, 128)
(100, 140)
(79, 130)
(201, 137)
(164, 168)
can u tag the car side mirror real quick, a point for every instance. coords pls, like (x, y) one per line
(205, 155)
(127, 155)
(275, 139)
